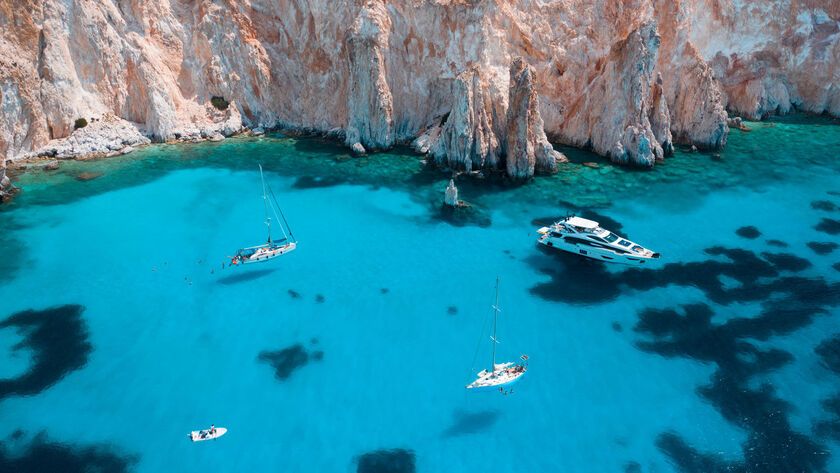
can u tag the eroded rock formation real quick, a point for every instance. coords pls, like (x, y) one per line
(468, 138)
(369, 101)
(6, 187)
(623, 91)
(386, 72)
(526, 147)
(450, 195)
(482, 127)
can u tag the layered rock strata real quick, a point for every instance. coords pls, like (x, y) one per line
(484, 130)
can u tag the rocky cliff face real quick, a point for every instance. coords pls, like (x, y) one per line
(386, 72)
(526, 145)
(622, 89)
(369, 102)
(468, 138)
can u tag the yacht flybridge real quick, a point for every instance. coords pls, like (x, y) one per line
(586, 238)
(272, 248)
(499, 374)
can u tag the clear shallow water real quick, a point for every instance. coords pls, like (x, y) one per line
(353, 351)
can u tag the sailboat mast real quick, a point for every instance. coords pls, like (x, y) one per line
(265, 204)
(495, 317)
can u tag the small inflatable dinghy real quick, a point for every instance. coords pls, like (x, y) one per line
(207, 434)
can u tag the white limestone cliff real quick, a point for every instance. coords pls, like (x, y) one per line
(526, 147)
(387, 72)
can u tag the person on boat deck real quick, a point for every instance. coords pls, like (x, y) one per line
(212, 429)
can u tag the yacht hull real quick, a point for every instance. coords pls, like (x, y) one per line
(595, 253)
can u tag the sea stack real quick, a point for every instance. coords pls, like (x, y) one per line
(451, 195)
(6, 186)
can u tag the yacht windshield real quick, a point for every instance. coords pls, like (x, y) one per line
(624, 243)
(610, 237)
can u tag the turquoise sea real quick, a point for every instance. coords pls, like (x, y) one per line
(120, 331)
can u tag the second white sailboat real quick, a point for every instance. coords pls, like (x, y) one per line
(500, 374)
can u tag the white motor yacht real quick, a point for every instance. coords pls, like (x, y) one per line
(586, 238)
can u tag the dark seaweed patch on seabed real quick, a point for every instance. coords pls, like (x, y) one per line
(772, 445)
(829, 352)
(749, 232)
(579, 280)
(288, 360)
(397, 460)
(828, 225)
(823, 247)
(789, 302)
(42, 455)
(787, 261)
(58, 339)
(825, 205)
(461, 216)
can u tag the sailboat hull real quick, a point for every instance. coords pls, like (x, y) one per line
(265, 253)
(508, 375)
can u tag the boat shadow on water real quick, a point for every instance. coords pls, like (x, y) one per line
(470, 422)
(244, 276)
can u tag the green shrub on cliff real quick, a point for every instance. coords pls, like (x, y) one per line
(219, 102)
(80, 123)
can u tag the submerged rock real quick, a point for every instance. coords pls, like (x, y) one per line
(358, 149)
(88, 176)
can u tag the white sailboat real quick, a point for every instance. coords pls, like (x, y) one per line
(500, 374)
(272, 248)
